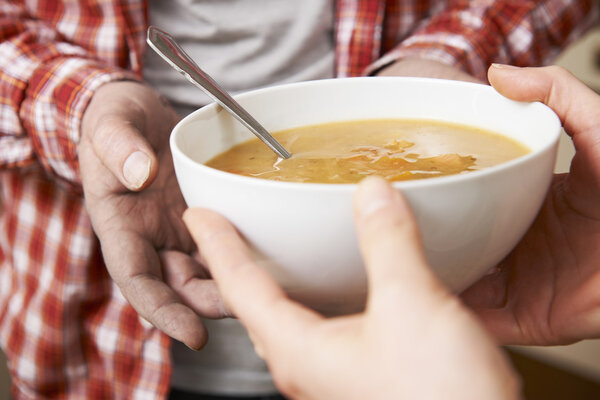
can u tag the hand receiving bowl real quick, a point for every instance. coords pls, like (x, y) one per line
(303, 233)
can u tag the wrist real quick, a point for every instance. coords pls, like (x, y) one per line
(423, 67)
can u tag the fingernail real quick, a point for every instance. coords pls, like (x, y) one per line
(192, 348)
(136, 169)
(373, 194)
(504, 66)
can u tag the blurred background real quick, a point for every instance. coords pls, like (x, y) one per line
(559, 372)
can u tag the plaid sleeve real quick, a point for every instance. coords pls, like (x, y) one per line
(45, 86)
(474, 34)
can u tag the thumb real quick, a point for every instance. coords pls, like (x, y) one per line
(577, 106)
(390, 243)
(574, 102)
(119, 144)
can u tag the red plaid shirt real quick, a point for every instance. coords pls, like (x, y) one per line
(66, 329)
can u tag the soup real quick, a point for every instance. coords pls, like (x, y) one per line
(346, 152)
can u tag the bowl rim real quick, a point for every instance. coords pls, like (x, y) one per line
(553, 138)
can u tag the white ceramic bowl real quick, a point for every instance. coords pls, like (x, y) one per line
(304, 234)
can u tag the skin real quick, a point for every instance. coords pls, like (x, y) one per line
(547, 291)
(136, 206)
(427, 69)
(406, 344)
(146, 248)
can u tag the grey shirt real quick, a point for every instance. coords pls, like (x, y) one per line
(243, 44)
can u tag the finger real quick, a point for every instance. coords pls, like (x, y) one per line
(415, 66)
(503, 326)
(577, 106)
(254, 297)
(575, 103)
(119, 144)
(191, 282)
(488, 292)
(136, 269)
(390, 241)
(510, 328)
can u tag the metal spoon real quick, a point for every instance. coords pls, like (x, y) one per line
(164, 44)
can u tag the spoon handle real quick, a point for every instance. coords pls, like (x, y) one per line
(164, 44)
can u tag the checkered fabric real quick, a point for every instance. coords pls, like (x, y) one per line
(66, 329)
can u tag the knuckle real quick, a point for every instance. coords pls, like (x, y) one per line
(109, 134)
(558, 70)
(212, 302)
(165, 318)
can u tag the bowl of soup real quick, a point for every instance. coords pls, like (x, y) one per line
(473, 165)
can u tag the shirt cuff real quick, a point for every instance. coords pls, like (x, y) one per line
(57, 109)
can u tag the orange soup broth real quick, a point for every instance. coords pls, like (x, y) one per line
(346, 152)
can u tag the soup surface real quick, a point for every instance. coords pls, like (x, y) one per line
(346, 152)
